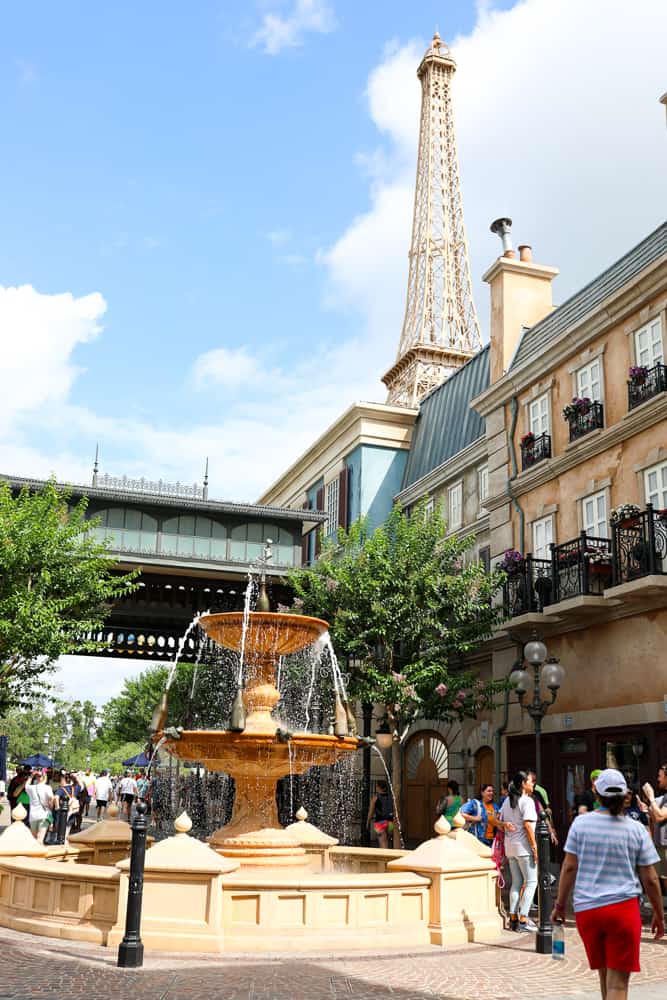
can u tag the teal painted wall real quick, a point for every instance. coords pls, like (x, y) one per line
(380, 480)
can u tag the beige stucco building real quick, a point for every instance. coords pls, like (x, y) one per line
(594, 590)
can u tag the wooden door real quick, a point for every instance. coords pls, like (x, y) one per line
(425, 780)
(484, 768)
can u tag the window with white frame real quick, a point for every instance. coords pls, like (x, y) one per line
(538, 415)
(589, 381)
(455, 506)
(429, 508)
(594, 518)
(332, 507)
(649, 349)
(543, 536)
(482, 485)
(655, 486)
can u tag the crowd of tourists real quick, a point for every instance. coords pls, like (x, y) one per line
(615, 857)
(44, 794)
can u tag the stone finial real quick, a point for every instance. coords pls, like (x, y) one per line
(301, 814)
(458, 821)
(112, 810)
(441, 826)
(183, 824)
(19, 813)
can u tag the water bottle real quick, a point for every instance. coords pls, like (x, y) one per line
(558, 941)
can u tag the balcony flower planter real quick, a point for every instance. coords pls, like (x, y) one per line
(628, 515)
(511, 563)
(599, 569)
(579, 407)
(638, 374)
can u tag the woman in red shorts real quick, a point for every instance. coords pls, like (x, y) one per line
(608, 858)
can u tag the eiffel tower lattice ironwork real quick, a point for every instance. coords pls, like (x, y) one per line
(440, 329)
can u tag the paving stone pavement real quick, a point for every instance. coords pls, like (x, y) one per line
(34, 968)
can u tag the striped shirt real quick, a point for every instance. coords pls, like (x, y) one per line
(609, 849)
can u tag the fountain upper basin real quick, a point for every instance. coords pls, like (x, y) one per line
(269, 633)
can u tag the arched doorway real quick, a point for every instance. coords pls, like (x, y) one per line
(425, 770)
(484, 767)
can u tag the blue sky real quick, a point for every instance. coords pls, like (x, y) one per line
(206, 208)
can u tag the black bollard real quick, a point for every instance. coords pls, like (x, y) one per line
(544, 900)
(131, 950)
(60, 818)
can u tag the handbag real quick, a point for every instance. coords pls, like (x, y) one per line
(498, 855)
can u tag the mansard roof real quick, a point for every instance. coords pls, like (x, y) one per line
(537, 338)
(446, 423)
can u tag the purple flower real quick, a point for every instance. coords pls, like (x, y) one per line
(442, 690)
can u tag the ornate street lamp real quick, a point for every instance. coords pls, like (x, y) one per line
(548, 671)
(383, 736)
(46, 747)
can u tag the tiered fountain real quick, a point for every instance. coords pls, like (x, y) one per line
(256, 751)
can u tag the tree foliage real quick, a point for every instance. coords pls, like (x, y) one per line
(56, 587)
(405, 606)
(127, 717)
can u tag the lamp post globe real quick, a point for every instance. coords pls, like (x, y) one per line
(534, 652)
(553, 674)
(521, 681)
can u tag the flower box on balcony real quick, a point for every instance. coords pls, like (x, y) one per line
(599, 569)
(579, 407)
(628, 515)
(638, 374)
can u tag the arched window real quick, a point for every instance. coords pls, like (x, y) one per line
(129, 529)
(190, 535)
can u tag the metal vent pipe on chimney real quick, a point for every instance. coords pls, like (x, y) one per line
(503, 227)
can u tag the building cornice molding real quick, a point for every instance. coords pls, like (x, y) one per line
(474, 454)
(515, 266)
(341, 437)
(607, 313)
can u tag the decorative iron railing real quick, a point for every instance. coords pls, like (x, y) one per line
(639, 546)
(128, 485)
(641, 388)
(585, 422)
(528, 588)
(580, 567)
(534, 450)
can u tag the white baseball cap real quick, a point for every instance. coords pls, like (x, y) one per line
(610, 782)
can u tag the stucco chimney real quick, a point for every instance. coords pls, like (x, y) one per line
(520, 297)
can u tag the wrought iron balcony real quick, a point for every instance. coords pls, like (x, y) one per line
(645, 387)
(639, 546)
(585, 422)
(528, 588)
(534, 449)
(581, 567)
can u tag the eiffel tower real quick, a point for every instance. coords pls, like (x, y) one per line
(440, 328)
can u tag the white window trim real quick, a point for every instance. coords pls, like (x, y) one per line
(481, 500)
(531, 402)
(540, 520)
(593, 496)
(645, 474)
(587, 364)
(429, 508)
(636, 331)
(331, 489)
(451, 525)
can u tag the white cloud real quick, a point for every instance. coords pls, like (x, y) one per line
(279, 237)
(558, 125)
(39, 335)
(95, 678)
(232, 369)
(278, 31)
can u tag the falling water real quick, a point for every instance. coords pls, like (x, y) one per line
(314, 659)
(335, 669)
(397, 820)
(279, 672)
(249, 599)
(197, 662)
(181, 646)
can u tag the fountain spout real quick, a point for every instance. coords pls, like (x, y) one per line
(263, 603)
(238, 719)
(160, 713)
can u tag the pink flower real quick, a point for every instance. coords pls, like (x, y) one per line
(298, 602)
(442, 690)
(460, 695)
(399, 678)
(331, 585)
(457, 704)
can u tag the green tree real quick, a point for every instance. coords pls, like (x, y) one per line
(127, 717)
(56, 587)
(405, 607)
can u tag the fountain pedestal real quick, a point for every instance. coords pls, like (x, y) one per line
(257, 758)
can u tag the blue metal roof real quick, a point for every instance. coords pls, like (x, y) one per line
(573, 310)
(446, 423)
